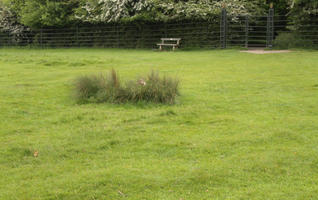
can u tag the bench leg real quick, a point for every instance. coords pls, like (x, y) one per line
(160, 47)
(173, 48)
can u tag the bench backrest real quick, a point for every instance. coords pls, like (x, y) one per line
(171, 39)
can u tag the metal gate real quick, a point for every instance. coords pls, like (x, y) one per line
(247, 31)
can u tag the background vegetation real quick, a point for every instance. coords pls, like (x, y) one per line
(139, 23)
(44, 13)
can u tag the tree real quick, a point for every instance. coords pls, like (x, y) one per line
(58, 13)
(158, 10)
(111, 10)
(9, 21)
(302, 10)
(39, 13)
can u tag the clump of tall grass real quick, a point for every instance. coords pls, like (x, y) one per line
(108, 88)
(96, 88)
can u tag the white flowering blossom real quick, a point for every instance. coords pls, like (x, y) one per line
(8, 21)
(203, 9)
(112, 10)
(116, 10)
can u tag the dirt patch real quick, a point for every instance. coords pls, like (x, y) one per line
(262, 51)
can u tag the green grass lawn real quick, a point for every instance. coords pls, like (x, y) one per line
(244, 127)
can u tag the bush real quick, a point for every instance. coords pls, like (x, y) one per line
(107, 88)
(291, 40)
(93, 88)
(153, 88)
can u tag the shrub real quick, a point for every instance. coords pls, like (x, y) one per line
(291, 40)
(107, 88)
(153, 88)
(86, 88)
(96, 88)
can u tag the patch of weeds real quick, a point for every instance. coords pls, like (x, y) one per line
(168, 113)
(114, 142)
(108, 88)
(21, 152)
(51, 63)
(79, 117)
(133, 120)
(76, 64)
(158, 121)
(23, 85)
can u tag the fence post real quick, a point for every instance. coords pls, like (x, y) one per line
(246, 31)
(9, 39)
(270, 28)
(142, 37)
(117, 32)
(41, 38)
(77, 36)
(223, 28)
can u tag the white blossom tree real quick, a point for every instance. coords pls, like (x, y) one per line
(158, 10)
(9, 21)
(112, 10)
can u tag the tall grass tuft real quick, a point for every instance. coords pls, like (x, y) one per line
(153, 88)
(108, 88)
(86, 88)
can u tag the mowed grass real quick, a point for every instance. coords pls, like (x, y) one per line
(244, 127)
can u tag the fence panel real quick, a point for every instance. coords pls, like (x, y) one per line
(220, 32)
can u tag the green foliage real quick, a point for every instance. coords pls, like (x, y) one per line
(7, 18)
(291, 40)
(153, 88)
(107, 88)
(52, 13)
(158, 10)
(111, 11)
(304, 12)
(39, 13)
(86, 88)
(9, 24)
(31, 14)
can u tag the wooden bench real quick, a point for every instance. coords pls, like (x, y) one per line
(174, 45)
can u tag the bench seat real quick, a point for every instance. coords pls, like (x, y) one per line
(168, 44)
